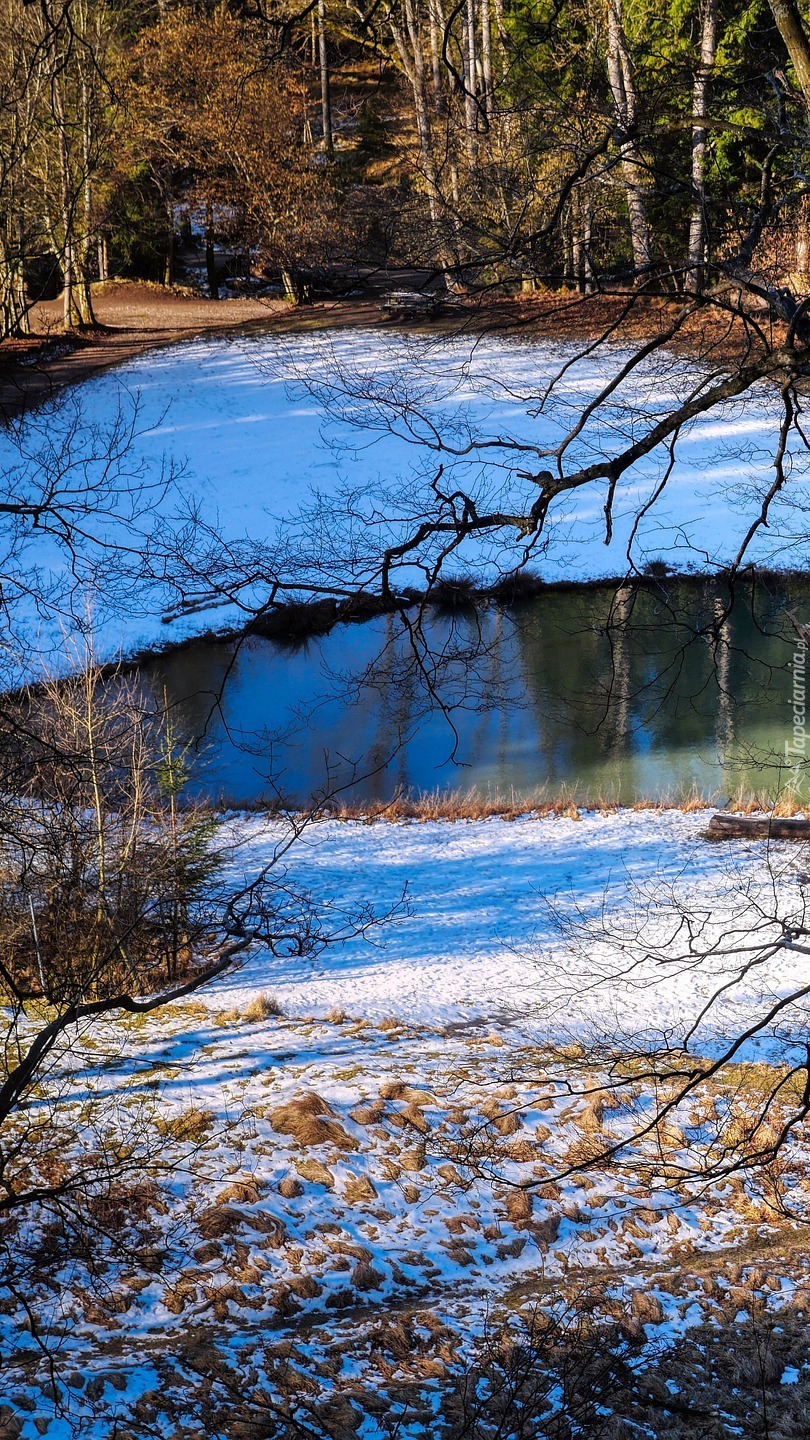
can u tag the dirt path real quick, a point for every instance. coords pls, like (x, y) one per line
(137, 317)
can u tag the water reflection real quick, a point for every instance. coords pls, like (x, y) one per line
(597, 691)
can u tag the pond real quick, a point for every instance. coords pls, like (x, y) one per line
(257, 430)
(576, 690)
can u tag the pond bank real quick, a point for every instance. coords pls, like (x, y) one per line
(137, 316)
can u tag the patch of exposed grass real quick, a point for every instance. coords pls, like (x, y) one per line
(192, 1125)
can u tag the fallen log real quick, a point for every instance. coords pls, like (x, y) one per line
(758, 827)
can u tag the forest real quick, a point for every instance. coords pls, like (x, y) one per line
(501, 147)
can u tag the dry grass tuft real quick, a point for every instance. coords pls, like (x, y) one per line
(358, 1189)
(243, 1192)
(289, 1187)
(365, 1277)
(401, 1090)
(306, 1287)
(647, 1308)
(521, 1151)
(368, 1114)
(263, 1007)
(547, 1229)
(316, 1173)
(416, 1118)
(412, 1158)
(311, 1121)
(506, 1122)
(193, 1125)
(519, 1205)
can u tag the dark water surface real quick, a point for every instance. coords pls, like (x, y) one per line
(592, 691)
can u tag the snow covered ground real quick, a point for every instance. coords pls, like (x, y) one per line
(261, 424)
(358, 1191)
(481, 940)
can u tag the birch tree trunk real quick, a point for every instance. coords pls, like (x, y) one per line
(486, 60)
(408, 42)
(84, 297)
(470, 82)
(791, 27)
(436, 39)
(698, 230)
(210, 254)
(13, 308)
(500, 26)
(409, 46)
(70, 311)
(326, 90)
(625, 105)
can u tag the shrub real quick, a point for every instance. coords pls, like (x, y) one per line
(517, 588)
(105, 875)
(454, 592)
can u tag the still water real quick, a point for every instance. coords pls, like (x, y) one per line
(624, 695)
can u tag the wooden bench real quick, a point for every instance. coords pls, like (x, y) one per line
(412, 304)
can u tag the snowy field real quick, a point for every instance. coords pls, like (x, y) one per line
(259, 426)
(481, 940)
(369, 1164)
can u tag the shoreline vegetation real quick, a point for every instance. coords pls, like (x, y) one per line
(466, 806)
(294, 623)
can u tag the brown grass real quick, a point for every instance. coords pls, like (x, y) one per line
(316, 1173)
(264, 1007)
(413, 1158)
(519, 1206)
(365, 1277)
(243, 1192)
(544, 804)
(368, 1114)
(358, 1190)
(401, 1090)
(541, 804)
(506, 1122)
(192, 1125)
(311, 1121)
(289, 1187)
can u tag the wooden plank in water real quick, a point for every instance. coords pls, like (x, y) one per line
(758, 827)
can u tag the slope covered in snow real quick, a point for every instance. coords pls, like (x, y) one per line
(260, 425)
(364, 1198)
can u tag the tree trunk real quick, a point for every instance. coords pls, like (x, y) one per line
(409, 47)
(210, 256)
(791, 28)
(413, 63)
(576, 248)
(470, 86)
(13, 307)
(500, 26)
(486, 60)
(698, 230)
(326, 93)
(803, 241)
(750, 827)
(588, 274)
(436, 38)
(625, 105)
(70, 310)
(85, 299)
